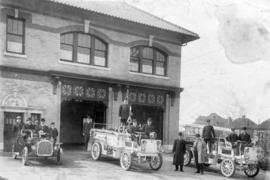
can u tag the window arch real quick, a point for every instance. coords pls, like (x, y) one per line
(83, 48)
(149, 60)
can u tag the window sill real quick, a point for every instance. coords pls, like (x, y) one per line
(84, 65)
(149, 75)
(15, 55)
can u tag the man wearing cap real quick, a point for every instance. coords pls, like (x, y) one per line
(148, 128)
(200, 150)
(42, 127)
(232, 138)
(208, 135)
(244, 137)
(179, 149)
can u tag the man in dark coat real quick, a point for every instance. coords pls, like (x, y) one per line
(18, 140)
(148, 128)
(43, 128)
(232, 138)
(27, 128)
(124, 112)
(245, 139)
(87, 126)
(179, 149)
(208, 135)
(53, 132)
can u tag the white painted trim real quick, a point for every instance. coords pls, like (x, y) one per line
(23, 56)
(149, 75)
(84, 65)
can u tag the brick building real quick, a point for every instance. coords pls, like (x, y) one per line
(63, 61)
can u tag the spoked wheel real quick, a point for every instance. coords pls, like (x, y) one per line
(96, 151)
(227, 167)
(14, 154)
(59, 156)
(156, 162)
(252, 170)
(187, 157)
(25, 156)
(125, 160)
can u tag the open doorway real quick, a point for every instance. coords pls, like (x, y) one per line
(141, 113)
(72, 114)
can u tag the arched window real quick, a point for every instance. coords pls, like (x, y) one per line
(83, 48)
(148, 60)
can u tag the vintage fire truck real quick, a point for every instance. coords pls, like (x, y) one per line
(36, 145)
(247, 159)
(128, 148)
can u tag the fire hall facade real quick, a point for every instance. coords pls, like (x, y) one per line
(63, 61)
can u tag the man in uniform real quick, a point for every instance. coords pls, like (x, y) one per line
(53, 132)
(43, 128)
(244, 137)
(208, 135)
(17, 130)
(87, 126)
(148, 128)
(232, 138)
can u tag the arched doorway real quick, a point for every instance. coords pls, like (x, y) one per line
(72, 113)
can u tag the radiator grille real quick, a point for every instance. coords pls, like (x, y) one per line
(44, 148)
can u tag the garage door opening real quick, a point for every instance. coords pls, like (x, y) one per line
(72, 114)
(142, 112)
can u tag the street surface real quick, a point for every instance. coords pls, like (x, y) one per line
(77, 164)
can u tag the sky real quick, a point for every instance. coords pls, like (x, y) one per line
(226, 71)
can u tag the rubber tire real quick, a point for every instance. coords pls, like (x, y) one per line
(255, 174)
(99, 153)
(123, 154)
(25, 156)
(186, 163)
(160, 164)
(59, 156)
(223, 164)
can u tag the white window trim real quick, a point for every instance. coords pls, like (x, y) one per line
(85, 65)
(23, 56)
(149, 75)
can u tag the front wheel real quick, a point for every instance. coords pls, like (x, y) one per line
(125, 161)
(252, 170)
(25, 156)
(227, 167)
(156, 162)
(187, 157)
(59, 156)
(96, 151)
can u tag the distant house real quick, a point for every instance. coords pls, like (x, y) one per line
(239, 123)
(216, 120)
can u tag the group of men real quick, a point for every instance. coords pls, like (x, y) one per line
(203, 146)
(127, 121)
(22, 129)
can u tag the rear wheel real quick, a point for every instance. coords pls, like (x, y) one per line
(125, 161)
(25, 156)
(227, 167)
(96, 151)
(252, 170)
(156, 162)
(187, 157)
